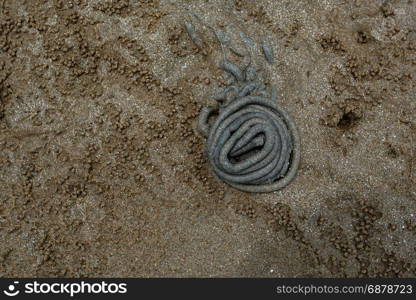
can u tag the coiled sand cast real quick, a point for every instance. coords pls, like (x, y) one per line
(253, 144)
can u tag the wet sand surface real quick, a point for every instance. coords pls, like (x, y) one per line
(102, 170)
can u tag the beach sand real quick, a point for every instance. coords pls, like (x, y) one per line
(103, 173)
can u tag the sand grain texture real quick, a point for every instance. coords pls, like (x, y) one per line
(103, 173)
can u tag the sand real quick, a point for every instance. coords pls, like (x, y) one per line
(103, 171)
